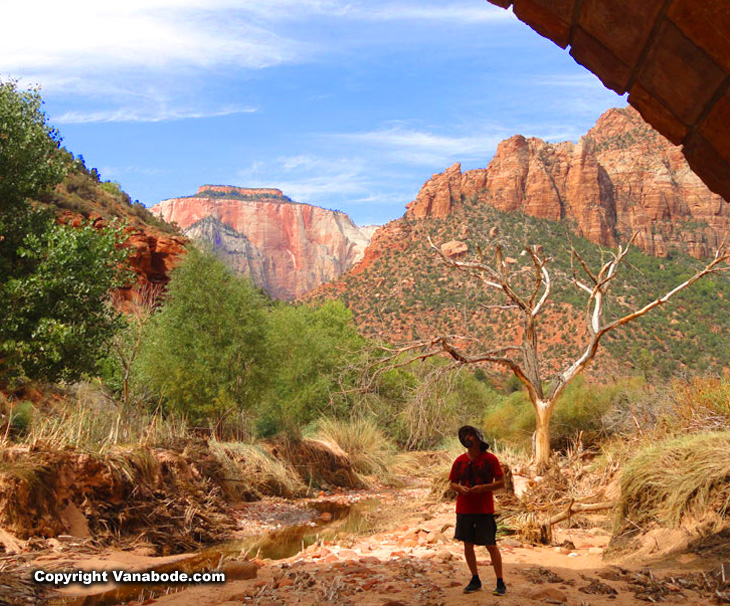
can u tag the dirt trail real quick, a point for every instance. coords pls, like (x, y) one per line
(419, 563)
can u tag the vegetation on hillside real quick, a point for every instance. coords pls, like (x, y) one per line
(407, 293)
(83, 191)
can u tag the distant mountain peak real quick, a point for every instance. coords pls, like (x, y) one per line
(232, 192)
(621, 177)
(285, 247)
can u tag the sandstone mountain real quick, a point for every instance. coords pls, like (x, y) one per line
(286, 248)
(620, 178)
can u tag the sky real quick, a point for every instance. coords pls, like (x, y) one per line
(351, 105)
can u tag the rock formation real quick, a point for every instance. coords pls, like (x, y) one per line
(152, 255)
(621, 178)
(285, 247)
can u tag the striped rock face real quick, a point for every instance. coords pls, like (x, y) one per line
(285, 247)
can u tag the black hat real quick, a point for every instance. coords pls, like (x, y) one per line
(467, 429)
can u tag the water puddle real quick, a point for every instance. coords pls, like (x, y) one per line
(347, 519)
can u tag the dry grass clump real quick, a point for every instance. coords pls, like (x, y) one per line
(251, 472)
(368, 448)
(26, 494)
(702, 404)
(675, 478)
(160, 496)
(317, 462)
(97, 428)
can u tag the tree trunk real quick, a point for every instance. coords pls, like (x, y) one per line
(543, 412)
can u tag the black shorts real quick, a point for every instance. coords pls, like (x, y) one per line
(477, 528)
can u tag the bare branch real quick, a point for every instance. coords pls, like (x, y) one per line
(506, 307)
(545, 295)
(582, 286)
(722, 255)
(478, 268)
(541, 277)
(575, 255)
(494, 279)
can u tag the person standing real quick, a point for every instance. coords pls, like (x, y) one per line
(474, 476)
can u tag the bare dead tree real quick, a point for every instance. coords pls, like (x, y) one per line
(495, 273)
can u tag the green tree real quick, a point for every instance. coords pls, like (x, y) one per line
(311, 346)
(205, 352)
(54, 279)
(57, 317)
(30, 158)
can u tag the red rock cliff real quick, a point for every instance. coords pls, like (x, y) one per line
(621, 178)
(152, 255)
(286, 248)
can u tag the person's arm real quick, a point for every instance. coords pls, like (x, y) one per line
(498, 483)
(460, 488)
(455, 486)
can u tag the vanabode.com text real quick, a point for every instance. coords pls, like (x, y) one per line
(88, 577)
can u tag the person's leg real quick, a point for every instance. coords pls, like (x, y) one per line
(496, 560)
(471, 558)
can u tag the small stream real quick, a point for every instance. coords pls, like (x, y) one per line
(347, 519)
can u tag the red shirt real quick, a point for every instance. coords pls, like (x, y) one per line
(485, 469)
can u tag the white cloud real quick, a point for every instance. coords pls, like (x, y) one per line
(124, 56)
(85, 36)
(308, 178)
(428, 148)
(472, 13)
(79, 36)
(145, 115)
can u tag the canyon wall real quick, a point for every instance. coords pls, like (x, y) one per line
(621, 178)
(285, 247)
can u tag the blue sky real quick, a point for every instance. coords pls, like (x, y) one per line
(344, 104)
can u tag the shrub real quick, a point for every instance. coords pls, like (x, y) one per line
(370, 451)
(594, 409)
(21, 417)
(311, 345)
(676, 477)
(702, 404)
(205, 351)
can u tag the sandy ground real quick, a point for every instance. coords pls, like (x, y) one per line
(419, 563)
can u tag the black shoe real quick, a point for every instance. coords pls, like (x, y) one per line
(474, 585)
(500, 589)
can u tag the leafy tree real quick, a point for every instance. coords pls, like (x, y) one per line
(205, 352)
(311, 346)
(58, 318)
(54, 279)
(30, 159)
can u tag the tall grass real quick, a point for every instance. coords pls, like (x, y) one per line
(702, 404)
(675, 478)
(251, 471)
(92, 427)
(370, 451)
